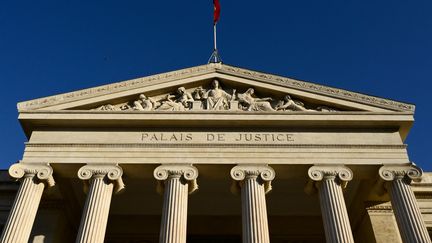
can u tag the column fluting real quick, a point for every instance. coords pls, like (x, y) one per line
(33, 179)
(100, 181)
(175, 182)
(408, 216)
(329, 181)
(254, 181)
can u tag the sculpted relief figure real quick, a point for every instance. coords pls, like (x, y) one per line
(107, 108)
(216, 98)
(198, 93)
(325, 109)
(185, 98)
(250, 103)
(144, 103)
(288, 104)
(179, 102)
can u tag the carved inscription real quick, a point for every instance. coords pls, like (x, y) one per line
(166, 137)
(222, 137)
(227, 137)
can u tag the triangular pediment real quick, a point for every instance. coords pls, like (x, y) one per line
(215, 87)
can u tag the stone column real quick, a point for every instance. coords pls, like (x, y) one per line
(254, 181)
(408, 216)
(100, 182)
(175, 182)
(329, 180)
(33, 179)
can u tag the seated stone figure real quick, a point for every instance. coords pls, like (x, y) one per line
(254, 104)
(179, 102)
(216, 98)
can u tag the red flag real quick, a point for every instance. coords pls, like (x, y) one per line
(217, 10)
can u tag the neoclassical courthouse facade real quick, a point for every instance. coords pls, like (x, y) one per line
(215, 153)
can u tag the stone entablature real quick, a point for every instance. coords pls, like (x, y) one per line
(178, 145)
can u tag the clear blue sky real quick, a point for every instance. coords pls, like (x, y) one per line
(382, 48)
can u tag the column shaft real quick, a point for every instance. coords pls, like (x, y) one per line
(174, 214)
(104, 179)
(96, 211)
(408, 215)
(255, 182)
(329, 180)
(335, 216)
(255, 225)
(23, 212)
(176, 181)
(407, 212)
(24, 209)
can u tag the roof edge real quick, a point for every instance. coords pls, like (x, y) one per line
(215, 67)
(114, 87)
(319, 89)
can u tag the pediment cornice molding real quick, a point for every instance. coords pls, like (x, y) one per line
(114, 87)
(214, 68)
(319, 89)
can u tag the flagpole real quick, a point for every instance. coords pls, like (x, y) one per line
(215, 58)
(215, 37)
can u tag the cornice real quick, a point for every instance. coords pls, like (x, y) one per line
(32, 119)
(319, 89)
(337, 113)
(214, 68)
(115, 87)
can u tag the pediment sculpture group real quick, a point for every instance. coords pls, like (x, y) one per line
(215, 99)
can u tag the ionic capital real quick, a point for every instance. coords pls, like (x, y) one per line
(188, 173)
(263, 173)
(408, 173)
(112, 173)
(41, 172)
(340, 173)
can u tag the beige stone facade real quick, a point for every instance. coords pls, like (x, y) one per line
(215, 153)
